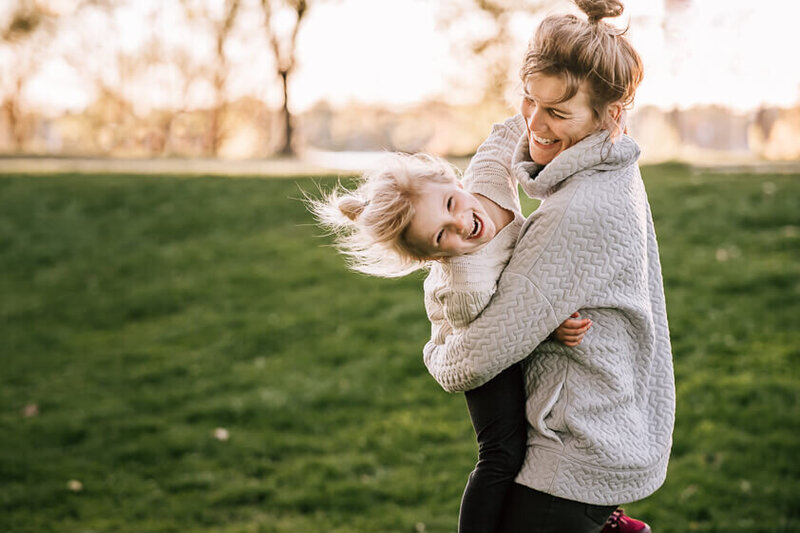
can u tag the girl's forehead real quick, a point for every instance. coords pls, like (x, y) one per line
(430, 186)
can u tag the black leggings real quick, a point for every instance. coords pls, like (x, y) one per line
(531, 511)
(497, 410)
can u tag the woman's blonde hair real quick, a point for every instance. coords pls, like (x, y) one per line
(369, 222)
(587, 51)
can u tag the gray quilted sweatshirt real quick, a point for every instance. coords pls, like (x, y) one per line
(600, 415)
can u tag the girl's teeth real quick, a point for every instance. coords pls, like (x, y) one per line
(475, 226)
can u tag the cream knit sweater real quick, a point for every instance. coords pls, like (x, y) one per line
(601, 414)
(458, 288)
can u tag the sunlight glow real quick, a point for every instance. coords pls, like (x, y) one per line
(395, 52)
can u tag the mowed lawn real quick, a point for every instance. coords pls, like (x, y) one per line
(181, 355)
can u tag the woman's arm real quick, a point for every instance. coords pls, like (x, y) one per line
(494, 341)
(562, 257)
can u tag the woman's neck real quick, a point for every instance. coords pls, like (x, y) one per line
(499, 215)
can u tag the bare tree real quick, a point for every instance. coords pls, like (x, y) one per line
(284, 48)
(222, 31)
(24, 35)
(492, 53)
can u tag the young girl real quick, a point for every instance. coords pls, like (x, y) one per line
(412, 213)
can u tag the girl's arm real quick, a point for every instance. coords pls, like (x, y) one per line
(489, 173)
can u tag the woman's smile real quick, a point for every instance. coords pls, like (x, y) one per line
(554, 125)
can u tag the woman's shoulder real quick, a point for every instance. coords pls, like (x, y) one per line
(594, 188)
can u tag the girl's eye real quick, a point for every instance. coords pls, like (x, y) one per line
(449, 203)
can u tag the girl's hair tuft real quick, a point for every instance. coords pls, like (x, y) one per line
(351, 207)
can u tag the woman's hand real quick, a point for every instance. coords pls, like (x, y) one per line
(572, 330)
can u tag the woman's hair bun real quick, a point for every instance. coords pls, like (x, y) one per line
(351, 206)
(597, 10)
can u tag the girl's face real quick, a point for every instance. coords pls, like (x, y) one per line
(449, 221)
(553, 127)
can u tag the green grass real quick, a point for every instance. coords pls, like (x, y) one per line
(139, 314)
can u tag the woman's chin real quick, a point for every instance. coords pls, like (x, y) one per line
(542, 154)
(542, 157)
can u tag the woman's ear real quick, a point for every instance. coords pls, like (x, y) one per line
(615, 119)
(615, 112)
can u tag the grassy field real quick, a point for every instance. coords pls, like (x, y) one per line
(181, 355)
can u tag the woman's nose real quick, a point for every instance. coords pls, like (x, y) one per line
(535, 120)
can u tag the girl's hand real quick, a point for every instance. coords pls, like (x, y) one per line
(572, 330)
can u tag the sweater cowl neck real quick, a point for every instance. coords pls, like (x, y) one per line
(595, 152)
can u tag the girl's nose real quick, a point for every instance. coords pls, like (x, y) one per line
(465, 222)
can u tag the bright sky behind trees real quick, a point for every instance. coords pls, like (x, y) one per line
(737, 53)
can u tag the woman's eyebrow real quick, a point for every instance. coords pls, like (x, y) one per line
(559, 110)
(546, 105)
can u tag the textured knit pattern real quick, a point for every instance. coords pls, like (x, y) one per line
(458, 288)
(601, 414)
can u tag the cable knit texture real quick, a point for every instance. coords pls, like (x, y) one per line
(601, 414)
(458, 288)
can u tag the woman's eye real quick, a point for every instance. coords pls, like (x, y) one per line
(439, 236)
(556, 115)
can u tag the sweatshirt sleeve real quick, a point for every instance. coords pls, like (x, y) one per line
(561, 259)
(489, 172)
(456, 294)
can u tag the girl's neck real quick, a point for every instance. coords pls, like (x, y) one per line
(499, 215)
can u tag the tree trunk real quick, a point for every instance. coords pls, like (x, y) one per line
(287, 148)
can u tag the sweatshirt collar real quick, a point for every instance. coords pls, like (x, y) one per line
(596, 152)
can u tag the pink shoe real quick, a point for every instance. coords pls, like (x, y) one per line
(619, 523)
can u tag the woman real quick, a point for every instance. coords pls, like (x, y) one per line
(600, 415)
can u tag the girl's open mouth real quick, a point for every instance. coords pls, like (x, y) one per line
(477, 227)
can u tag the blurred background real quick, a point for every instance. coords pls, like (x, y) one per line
(316, 79)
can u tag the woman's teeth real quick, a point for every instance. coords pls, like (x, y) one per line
(541, 140)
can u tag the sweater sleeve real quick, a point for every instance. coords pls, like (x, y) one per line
(452, 301)
(489, 172)
(561, 259)
(434, 304)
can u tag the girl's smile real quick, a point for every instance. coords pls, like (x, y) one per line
(449, 221)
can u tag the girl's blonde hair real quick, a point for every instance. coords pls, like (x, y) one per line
(369, 222)
(590, 51)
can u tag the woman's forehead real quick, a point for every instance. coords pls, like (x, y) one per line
(551, 90)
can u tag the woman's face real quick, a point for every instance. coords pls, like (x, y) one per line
(449, 221)
(553, 127)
